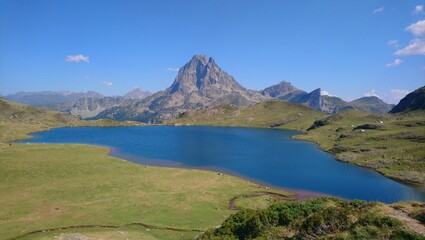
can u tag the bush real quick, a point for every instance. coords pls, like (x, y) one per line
(323, 218)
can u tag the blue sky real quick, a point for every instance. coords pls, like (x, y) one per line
(347, 48)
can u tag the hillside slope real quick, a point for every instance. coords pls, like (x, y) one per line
(273, 113)
(16, 120)
(391, 145)
(413, 101)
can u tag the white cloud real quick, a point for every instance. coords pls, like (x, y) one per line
(171, 69)
(393, 43)
(395, 95)
(77, 58)
(107, 84)
(419, 9)
(87, 77)
(372, 93)
(378, 10)
(417, 28)
(396, 62)
(417, 45)
(326, 93)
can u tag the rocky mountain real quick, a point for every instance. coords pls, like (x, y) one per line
(200, 83)
(51, 100)
(324, 103)
(413, 101)
(279, 90)
(137, 93)
(89, 107)
(285, 91)
(371, 104)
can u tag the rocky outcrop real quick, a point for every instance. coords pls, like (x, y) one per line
(324, 103)
(279, 90)
(86, 108)
(137, 93)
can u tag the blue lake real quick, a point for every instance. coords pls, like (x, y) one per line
(264, 155)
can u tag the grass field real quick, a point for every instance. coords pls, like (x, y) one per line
(51, 186)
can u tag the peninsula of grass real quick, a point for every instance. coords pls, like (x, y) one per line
(393, 145)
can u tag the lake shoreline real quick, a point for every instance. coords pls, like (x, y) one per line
(299, 194)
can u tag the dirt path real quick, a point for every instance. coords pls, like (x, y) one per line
(410, 223)
(272, 194)
(106, 226)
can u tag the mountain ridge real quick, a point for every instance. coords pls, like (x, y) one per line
(411, 102)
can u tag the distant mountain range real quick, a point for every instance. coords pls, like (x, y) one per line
(66, 100)
(51, 100)
(199, 84)
(328, 104)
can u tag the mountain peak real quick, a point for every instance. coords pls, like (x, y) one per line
(137, 93)
(369, 99)
(280, 89)
(198, 59)
(202, 73)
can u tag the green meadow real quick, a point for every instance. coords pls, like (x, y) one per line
(53, 186)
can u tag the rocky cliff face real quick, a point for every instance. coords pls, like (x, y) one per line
(328, 104)
(412, 102)
(200, 83)
(90, 107)
(137, 93)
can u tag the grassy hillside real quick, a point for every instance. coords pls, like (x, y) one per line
(17, 120)
(392, 145)
(277, 114)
